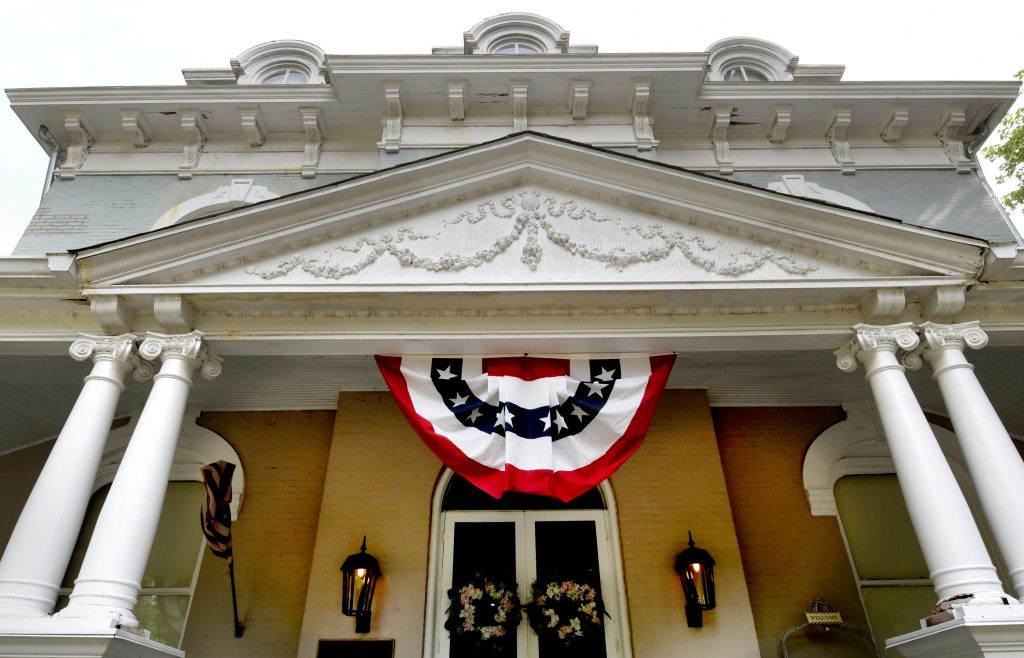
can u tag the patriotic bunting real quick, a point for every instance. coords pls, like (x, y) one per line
(215, 515)
(554, 427)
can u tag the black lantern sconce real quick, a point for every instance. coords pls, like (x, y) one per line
(359, 572)
(696, 569)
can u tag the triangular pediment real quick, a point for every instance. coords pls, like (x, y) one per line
(525, 211)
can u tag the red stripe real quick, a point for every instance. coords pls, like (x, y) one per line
(526, 368)
(488, 479)
(564, 485)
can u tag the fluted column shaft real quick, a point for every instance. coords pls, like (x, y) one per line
(40, 547)
(109, 582)
(995, 466)
(957, 560)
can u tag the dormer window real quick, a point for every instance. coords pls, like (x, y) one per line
(745, 59)
(286, 76)
(744, 73)
(516, 34)
(515, 48)
(281, 63)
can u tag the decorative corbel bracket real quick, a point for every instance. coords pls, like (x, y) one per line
(950, 134)
(520, 106)
(81, 133)
(174, 313)
(842, 117)
(883, 304)
(194, 126)
(579, 96)
(643, 125)
(456, 99)
(253, 126)
(892, 129)
(391, 141)
(313, 124)
(718, 131)
(136, 127)
(112, 313)
(778, 124)
(944, 303)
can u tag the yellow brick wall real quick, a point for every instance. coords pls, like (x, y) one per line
(380, 482)
(284, 455)
(674, 483)
(790, 557)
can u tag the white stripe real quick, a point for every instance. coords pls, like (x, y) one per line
(566, 454)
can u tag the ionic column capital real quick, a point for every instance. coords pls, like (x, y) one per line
(116, 348)
(189, 347)
(874, 338)
(955, 336)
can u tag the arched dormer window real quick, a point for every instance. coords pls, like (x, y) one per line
(745, 59)
(516, 34)
(280, 63)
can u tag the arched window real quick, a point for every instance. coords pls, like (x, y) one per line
(515, 47)
(285, 76)
(745, 73)
(241, 192)
(524, 539)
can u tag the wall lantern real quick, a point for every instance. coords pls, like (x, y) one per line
(360, 572)
(696, 569)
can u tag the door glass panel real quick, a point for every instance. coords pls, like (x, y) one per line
(487, 549)
(567, 550)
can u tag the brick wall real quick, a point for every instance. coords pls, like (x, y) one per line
(674, 483)
(380, 482)
(284, 455)
(790, 557)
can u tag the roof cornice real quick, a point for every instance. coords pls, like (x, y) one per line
(995, 90)
(121, 96)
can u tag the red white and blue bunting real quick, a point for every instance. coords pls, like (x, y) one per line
(554, 427)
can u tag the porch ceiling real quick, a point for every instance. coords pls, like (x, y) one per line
(37, 392)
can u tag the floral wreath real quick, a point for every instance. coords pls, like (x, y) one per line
(566, 611)
(484, 609)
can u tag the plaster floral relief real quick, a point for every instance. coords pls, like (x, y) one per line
(533, 221)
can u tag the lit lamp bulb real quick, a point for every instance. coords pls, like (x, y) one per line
(361, 574)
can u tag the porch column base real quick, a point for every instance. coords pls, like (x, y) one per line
(976, 631)
(53, 637)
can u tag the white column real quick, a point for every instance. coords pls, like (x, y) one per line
(109, 582)
(996, 467)
(40, 547)
(957, 560)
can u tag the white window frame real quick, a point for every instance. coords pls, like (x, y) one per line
(618, 641)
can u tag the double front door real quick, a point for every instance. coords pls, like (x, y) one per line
(523, 550)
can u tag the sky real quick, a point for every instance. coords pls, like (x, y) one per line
(107, 43)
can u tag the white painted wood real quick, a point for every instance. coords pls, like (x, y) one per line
(109, 582)
(40, 546)
(958, 562)
(995, 465)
